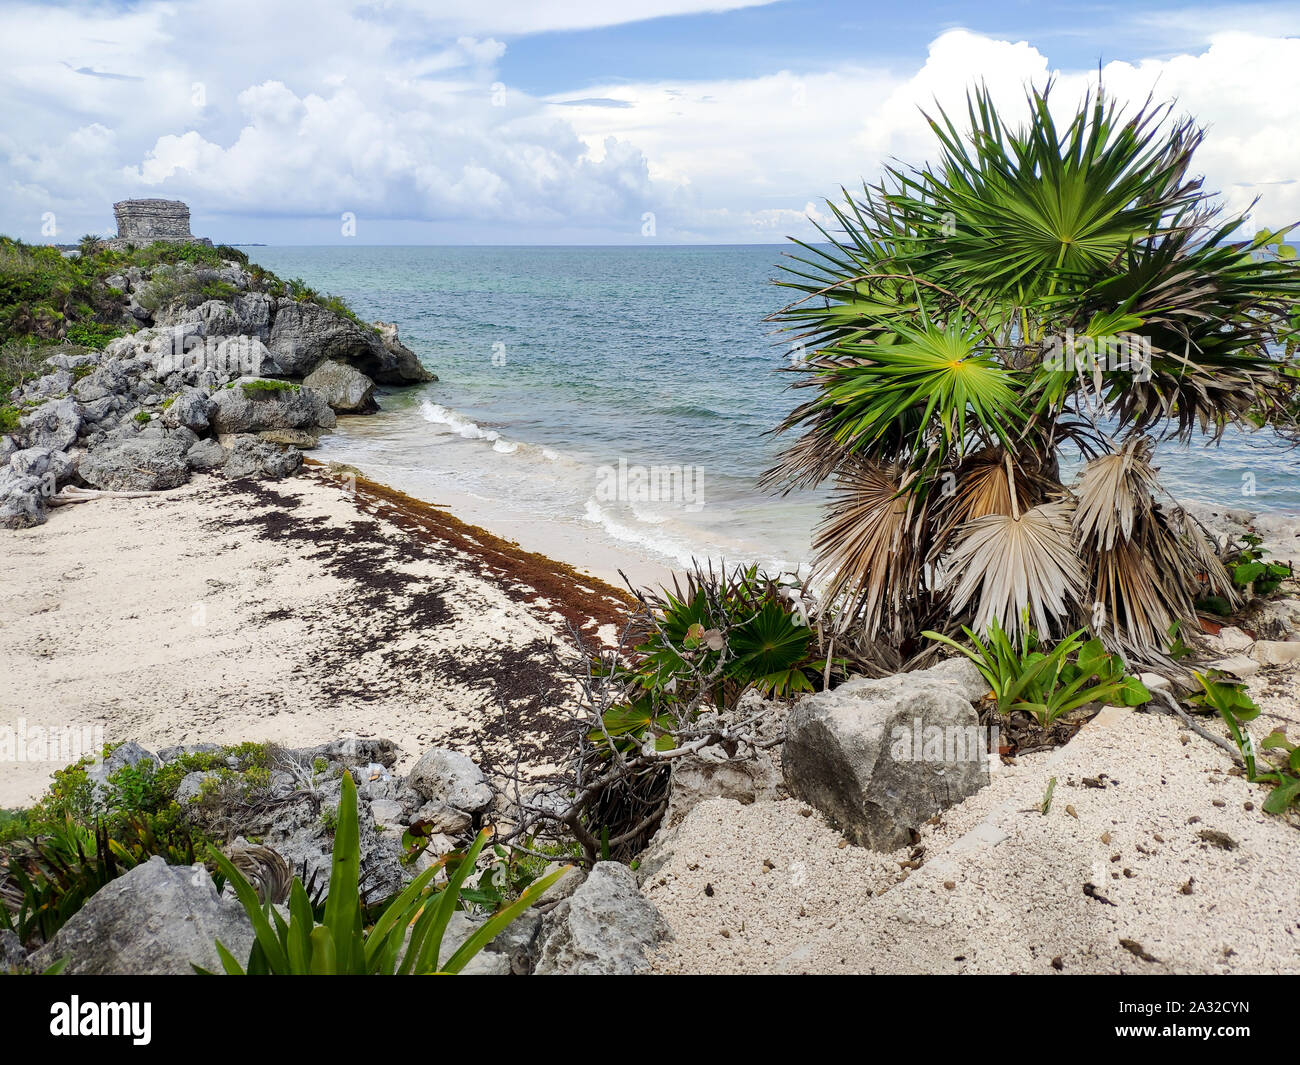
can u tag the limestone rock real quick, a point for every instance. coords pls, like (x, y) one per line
(605, 928)
(345, 388)
(157, 919)
(190, 409)
(54, 425)
(451, 778)
(237, 410)
(258, 459)
(136, 465)
(865, 754)
(698, 777)
(22, 500)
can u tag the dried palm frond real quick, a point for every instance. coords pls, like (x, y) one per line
(869, 546)
(262, 867)
(1115, 491)
(980, 486)
(1144, 568)
(1017, 564)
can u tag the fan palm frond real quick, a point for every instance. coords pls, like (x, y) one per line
(868, 547)
(1013, 565)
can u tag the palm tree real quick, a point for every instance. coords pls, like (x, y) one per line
(1035, 290)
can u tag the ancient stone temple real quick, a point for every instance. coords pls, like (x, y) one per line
(142, 222)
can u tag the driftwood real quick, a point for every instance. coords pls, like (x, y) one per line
(71, 494)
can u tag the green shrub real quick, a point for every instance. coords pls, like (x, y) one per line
(263, 387)
(1048, 684)
(1229, 699)
(92, 334)
(340, 944)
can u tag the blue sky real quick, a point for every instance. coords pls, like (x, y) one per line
(575, 121)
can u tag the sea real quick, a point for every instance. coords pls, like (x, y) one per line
(615, 406)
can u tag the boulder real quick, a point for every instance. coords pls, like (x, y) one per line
(54, 425)
(605, 928)
(881, 757)
(398, 364)
(41, 462)
(23, 500)
(205, 455)
(712, 775)
(136, 465)
(189, 409)
(352, 751)
(157, 919)
(239, 410)
(345, 389)
(303, 335)
(443, 819)
(452, 779)
(250, 457)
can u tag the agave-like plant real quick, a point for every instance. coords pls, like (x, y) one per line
(1038, 290)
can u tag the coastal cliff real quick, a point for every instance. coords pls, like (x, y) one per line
(176, 358)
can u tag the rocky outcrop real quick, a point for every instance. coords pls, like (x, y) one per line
(250, 457)
(346, 389)
(881, 757)
(711, 774)
(605, 928)
(169, 398)
(157, 919)
(246, 407)
(449, 778)
(139, 465)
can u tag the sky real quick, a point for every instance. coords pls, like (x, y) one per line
(580, 121)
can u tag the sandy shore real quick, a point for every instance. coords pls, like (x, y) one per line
(1154, 857)
(292, 611)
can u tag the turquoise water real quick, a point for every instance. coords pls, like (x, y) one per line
(557, 363)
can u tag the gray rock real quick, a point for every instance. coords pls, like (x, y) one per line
(23, 500)
(303, 335)
(190, 409)
(236, 411)
(452, 779)
(138, 465)
(398, 365)
(852, 753)
(54, 425)
(352, 751)
(344, 388)
(205, 455)
(157, 920)
(443, 818)
(712, 775)
(13, 955)
(256, 458)
(605, 928)
(387, 811)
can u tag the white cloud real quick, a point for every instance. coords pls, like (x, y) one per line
(402, 117)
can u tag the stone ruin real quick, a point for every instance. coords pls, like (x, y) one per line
(142, 222)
